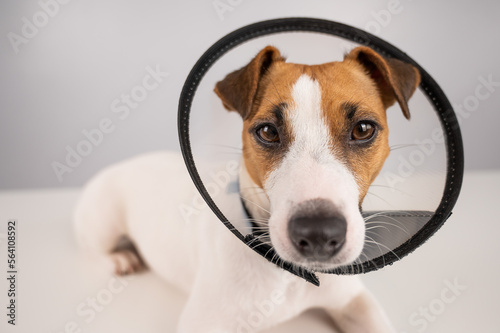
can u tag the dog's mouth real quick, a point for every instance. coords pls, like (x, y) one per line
(321, 264)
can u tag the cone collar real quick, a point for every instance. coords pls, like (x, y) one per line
(429, 221)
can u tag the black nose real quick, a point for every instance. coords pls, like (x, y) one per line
(318, 237)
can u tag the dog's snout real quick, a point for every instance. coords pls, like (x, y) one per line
(318, 238)
(317, 230)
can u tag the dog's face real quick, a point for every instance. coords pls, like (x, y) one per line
(314, 139)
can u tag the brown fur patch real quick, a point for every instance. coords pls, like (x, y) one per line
(275, 89)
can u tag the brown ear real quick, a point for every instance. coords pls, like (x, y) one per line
(395, 79)
(237, 90)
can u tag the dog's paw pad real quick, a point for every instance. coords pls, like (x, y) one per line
(126, 262)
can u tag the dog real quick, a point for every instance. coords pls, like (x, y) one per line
(314, 138)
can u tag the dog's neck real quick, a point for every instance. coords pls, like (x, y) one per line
(254, 197)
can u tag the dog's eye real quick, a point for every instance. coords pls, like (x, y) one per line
(363, 131)
(268, 133)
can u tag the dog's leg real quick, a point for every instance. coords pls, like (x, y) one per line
(362, 315)
(227, 302)
(220, 315)
(100, 225)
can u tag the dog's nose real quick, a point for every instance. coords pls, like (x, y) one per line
(318, 237)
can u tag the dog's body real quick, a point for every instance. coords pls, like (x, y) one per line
(314, 139)
(226, 280)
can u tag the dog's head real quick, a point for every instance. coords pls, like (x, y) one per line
(314, 139)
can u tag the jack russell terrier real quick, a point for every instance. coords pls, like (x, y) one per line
(314, 139)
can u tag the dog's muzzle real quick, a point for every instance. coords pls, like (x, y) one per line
(317, 230)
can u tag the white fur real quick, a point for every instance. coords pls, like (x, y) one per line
(147, 198)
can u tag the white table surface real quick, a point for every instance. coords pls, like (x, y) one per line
(55, 283)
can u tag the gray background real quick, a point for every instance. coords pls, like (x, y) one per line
(65, 78)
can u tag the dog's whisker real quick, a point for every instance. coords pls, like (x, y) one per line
(385, 214)
(233, 228)
(265, 243)
(363, 255)
(377, 227)
(368, 217)
(379, 197)
(262, 220)
(255, 204)
(405, 230)
(271, 248)
(357, 261)
(401, 225)
(259, 229)
(260, 235)
(256, 240)
(260, 243)
(264, 235)
(274, 257)
(379, 245)
(401, 146)
(370, 240)
(372, 262)
(391, 188)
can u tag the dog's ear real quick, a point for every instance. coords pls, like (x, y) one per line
(237, 90)
(396, 80)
